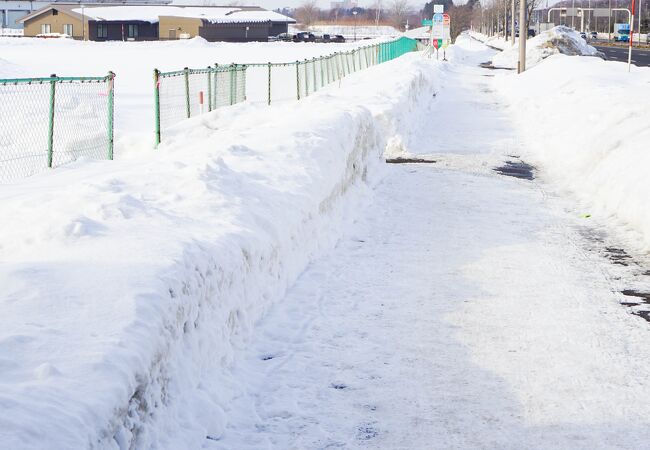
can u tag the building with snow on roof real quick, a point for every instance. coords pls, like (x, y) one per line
(138, 22)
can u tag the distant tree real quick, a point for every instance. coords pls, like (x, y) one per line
(398, 11)
(308, 12)
(377, 7)
(531, 5)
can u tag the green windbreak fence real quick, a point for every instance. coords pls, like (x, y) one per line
(189, 92)
(47, 122)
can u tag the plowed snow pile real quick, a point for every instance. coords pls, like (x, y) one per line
(130, 284)
(560, 39)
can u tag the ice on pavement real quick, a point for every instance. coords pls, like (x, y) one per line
(264, 280)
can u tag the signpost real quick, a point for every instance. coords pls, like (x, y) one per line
(437, 29)
(440, 25)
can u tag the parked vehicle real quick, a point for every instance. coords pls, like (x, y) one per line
(531, 33)
(622, 32)
(594, 35)
(304, 36)
(583, 36)
(324, 38)
(337, 38)
(285, 37)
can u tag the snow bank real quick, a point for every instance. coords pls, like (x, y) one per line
(128, 285)
(496, 42)
(588, 135)
(560, 39)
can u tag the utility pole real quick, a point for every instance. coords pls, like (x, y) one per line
(512, 23)
(640, 7)
(523, 35)
(573, 15)
(629, 53)
(609, 22)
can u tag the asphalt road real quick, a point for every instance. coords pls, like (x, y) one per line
(640, 57)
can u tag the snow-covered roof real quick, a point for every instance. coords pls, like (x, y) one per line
(152, 13)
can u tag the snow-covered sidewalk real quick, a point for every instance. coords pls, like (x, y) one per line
(264, 280)
(460, 311)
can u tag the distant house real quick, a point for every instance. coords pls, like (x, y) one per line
(111, 22)
(11, 11)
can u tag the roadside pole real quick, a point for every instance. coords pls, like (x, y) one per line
(523, 35)
(512, 23)
(631, 40)
(609, 23)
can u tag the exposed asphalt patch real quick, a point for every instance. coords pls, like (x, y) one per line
(517, 169)
(400, 160)
(488, 65)
(618, 256)
(637, 300)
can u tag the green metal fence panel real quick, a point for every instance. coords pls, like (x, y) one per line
(48, 122)
(189, 92)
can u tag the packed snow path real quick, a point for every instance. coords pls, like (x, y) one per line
(459, 311)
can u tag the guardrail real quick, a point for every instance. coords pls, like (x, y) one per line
(47, 122)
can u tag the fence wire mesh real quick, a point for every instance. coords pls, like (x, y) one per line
(188, 92)
(47, 122)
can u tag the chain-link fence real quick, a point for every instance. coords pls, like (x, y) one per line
(186, 93)
(189, 92)
(47, 122)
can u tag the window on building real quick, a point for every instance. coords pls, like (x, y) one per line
(133, 31)
(102, 30)
(55, 12)
(45, 28)
(67, 29)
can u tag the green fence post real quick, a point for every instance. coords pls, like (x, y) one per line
(327, 68)
(232, 83)
(313, 71)
(186, 73)
(322, 74)
(244, 68)
(50, 134)
(209, 88)
(298, 78)
(269, 89)
(156, 98)
(336, 64)
(111, 109)
(306, 78)
(354, 60)
(215, 91)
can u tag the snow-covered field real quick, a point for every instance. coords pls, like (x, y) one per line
(264, 280)
(134, 62)
(349, 31)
